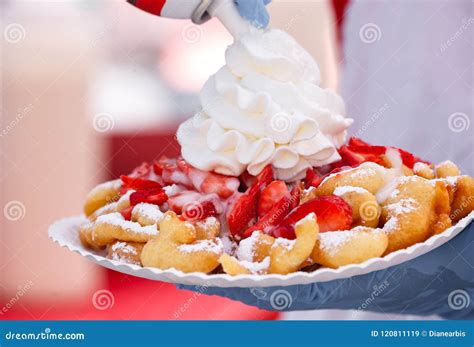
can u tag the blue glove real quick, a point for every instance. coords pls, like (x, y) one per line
(439, 282)
(254, 11)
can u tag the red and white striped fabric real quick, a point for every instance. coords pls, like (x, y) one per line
(180, 9)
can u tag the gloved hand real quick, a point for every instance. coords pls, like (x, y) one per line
(254, 11)
(439, 282)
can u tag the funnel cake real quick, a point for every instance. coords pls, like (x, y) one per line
(373, 201)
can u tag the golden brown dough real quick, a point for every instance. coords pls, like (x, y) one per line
(365, 209)
(207, 229)
(85, 236)
(409, 215)
(462, 197)
(111, 227)
(101, 195)
(338, 248)
(423, 170)
(127, 252)
(283, 259)
(447, 169)
(176, 247)
(369, 176)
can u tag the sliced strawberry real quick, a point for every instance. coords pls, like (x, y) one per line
(270, 195)
(352, 156)
(156, 196)
(265, 177)
(355, 141)
(284, 231)
(332, 211)
(136, 183)
(295, 195)
(273, 217)
(210, 182)
(368, 150)
(313, 178)
(127, 212)
(198, 211)
(243, 212)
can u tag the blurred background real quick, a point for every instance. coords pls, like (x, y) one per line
(90, 89)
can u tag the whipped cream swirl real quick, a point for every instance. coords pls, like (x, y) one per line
(265, 107)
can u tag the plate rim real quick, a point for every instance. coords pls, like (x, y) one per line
(224, 280)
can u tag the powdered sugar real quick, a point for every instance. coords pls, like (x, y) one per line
(229, 245)
(125, 197)
(420, 167)
(246, 249)
(149, 211)
(285, 243)
(211, 246)
(117, 219)
(391, 225)
(172, 190)
(122, 246)
(309, 216)
(403, 206)
(209, 222)
(396, 210)
(257, 267)
(339, 191)
(331, 241)
(106, 208)
(366, 169)
(450, 180)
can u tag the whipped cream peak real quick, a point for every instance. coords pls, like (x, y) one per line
(265, 107)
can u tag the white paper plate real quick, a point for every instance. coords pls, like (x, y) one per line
(65, 233)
